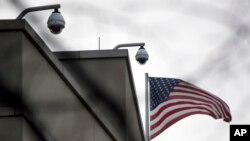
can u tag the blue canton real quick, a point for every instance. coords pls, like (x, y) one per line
(160, 88)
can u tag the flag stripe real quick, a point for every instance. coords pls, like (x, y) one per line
(184, 98)
(218, 106)
(185, 92)
(171, 100)
(162, 117)
(192, 87)
(168, 106)
(155, 133)
(223, 106)
(173, 116)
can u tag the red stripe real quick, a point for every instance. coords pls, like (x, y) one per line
(174, 121)
(152, 127)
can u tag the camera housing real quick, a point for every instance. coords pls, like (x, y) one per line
(56, 22)
(142, 55)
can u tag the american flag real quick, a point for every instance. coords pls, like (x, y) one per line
(173, 99)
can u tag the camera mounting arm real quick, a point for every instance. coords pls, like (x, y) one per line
(39, 8)
(141, 55)
(56, 22)
(129, 45)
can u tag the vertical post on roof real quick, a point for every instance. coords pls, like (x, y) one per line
(147, 108)
(99, 43)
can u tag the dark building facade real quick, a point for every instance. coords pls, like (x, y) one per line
(63, 96)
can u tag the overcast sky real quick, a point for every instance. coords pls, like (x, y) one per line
(205, 42)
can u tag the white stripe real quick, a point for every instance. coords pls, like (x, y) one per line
(172, 117)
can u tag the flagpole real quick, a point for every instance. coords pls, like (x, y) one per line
(147, 108)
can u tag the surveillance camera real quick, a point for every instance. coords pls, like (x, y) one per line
(141, 55)
(56, 22)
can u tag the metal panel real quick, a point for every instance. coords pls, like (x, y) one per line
(10, 72)
(11, 128)
(51, 105)
(102, 82)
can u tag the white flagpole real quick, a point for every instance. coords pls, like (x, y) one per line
(147, 107)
